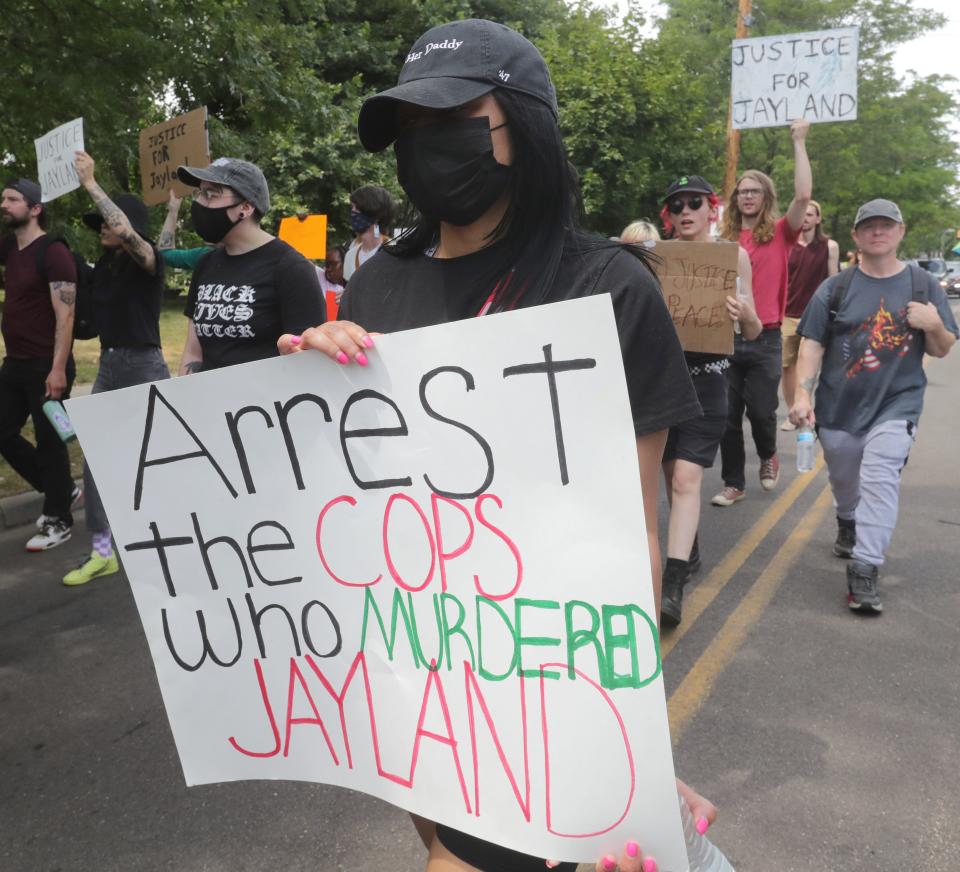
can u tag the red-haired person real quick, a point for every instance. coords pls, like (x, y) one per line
(690, 205)
(752, 219)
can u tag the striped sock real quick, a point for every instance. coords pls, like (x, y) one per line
(102, 543)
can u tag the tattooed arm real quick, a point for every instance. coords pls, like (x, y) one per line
(133, 243)
(168, 233)
(63, 295)
(808, 365)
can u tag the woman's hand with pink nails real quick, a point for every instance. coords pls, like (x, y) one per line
(631, 860)
(704, 812)
(336, 339)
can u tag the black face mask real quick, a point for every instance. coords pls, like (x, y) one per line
(211, 224)
(448, 169)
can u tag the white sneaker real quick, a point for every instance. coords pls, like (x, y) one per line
(75, 495)
(53, 533)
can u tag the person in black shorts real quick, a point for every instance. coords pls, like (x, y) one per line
(479, 154)
(690, 205)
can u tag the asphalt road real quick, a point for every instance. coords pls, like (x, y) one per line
(828, 740)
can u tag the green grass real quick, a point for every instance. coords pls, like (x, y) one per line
(173, 335)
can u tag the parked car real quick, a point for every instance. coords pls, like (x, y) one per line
(935, 265)
(951, 281)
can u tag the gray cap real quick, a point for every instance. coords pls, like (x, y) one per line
(241, 175)
(28, 188)
(878, 209)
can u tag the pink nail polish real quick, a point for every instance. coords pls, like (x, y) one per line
(342, 358)
(702, 825)
(632, 849)
(295, 340)
(367, 342)
(361, 358)
(609, 863)
(649, 865)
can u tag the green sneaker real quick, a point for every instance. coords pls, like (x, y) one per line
(94, 567)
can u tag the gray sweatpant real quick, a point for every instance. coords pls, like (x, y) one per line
(865, 478)
(119, 368)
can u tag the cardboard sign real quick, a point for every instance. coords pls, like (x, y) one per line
(163, 147)
(55, 153)
(426, 579)
(696, 277)
(796, 75)
(307, 234)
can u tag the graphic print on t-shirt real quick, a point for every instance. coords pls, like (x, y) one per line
(223, 310)
(880, 337)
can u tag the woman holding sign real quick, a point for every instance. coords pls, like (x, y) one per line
(479, 153)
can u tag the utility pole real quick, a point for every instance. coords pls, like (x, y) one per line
(733, 136)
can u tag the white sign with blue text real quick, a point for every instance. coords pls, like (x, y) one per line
(777, 79)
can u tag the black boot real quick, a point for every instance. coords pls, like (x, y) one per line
(846, 538)
(675, 575)
(695, 562)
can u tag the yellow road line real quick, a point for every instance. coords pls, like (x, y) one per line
(699, 599)
(693, 691)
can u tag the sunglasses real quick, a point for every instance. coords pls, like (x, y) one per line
(675, 206)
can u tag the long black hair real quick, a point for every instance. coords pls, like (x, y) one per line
(542, 222)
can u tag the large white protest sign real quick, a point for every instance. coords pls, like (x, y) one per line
(55, 153)
(426, 579)
(796, 75)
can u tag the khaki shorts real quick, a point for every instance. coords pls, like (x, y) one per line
(791, 340)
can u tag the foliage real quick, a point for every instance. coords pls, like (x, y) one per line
(284, 80)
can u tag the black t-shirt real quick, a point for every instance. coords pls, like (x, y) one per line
(241, 304)
(127, 300)
(390, 293)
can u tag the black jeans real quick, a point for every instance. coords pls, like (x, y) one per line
(753, 380)
(46, 465)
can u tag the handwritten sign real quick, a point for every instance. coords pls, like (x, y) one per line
(696, 277)
(55, 153)
(306, 233)
(165, 146)
(425, 579)
(797, 75)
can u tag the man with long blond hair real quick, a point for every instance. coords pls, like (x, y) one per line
(753, 379)
(813, 259)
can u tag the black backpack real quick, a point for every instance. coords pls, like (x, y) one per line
(84, 326)
(919, 287)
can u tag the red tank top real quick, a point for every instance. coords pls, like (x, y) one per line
(806, 270)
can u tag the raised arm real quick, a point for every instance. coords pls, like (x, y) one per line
(133, 243)
(802, 174)
(168, 233)
(63, 295)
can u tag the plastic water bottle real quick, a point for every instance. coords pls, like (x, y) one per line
(805, 449)
(741, 296)
(702, 854)
(58, 417)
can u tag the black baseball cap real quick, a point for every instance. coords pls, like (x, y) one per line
(131, 206)
(451, 65)
(244, 177)
(697, 184)
(30, 189)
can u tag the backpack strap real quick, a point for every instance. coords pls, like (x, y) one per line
(920, 281)
(839, 291)
(43, 246)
